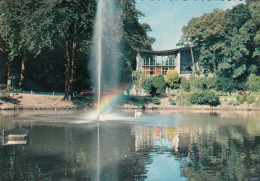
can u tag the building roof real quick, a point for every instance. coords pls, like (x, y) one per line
(164, 52)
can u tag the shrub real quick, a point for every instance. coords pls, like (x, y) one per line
(185, 84)
(182, 98)
(146, 84)
(156, 101)
(204, 98)
(244, 95)
(159, 84)
(241, 98)
(251, 99)
(172, 79)
(211, 82)
(172, 101)
(253, 84)
(230, 102)
(197, 83)
(225, 84)
(257, 102)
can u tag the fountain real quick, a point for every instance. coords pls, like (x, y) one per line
(105, 57)
(105, 52)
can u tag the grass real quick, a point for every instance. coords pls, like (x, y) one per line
(225, 97)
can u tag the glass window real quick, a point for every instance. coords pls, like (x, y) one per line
(152, 70)
(164, 70)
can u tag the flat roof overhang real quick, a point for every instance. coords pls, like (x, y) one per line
(164, 52)
(158, 65)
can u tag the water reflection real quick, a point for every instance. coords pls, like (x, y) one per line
(152, 146)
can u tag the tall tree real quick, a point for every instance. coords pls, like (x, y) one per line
(135, 34)
(228, 41)
(50, 24)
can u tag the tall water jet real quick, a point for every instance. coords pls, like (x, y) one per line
(105, 51)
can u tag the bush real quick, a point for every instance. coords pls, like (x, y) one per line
(251, 99)
(257, 102)
(211, 82)
(197, 83)
(204, 98)
(185, 84)
(172, 101)
(182, 98)
(172, 79)
(159, 84)
(241, 98)
(244, 95)
(253, 84)
(146, 84)
(225, 84)
(156, 101)
(230, 102)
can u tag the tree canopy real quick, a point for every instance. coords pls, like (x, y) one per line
(46, 43)
(228, 42)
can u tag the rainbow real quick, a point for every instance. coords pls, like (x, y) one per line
(111, 97)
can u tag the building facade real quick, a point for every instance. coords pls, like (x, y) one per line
(160, 62)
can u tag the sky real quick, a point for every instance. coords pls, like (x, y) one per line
(167, 17)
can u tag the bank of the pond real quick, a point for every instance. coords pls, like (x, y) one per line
(56, 102)
(35, 101)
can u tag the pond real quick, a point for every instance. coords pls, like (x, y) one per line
(156, 145)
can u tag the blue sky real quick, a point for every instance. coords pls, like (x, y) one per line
(167, 17)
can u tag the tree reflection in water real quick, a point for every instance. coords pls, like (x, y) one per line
(197, 146)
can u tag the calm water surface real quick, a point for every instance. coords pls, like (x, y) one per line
(71, 145)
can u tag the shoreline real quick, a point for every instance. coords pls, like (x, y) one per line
(50, 102)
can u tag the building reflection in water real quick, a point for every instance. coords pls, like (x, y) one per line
(198, 148)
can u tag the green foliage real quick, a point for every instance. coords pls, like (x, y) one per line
(172, 79)
(197, 83)
(159, 84)
(41, 31)
(241, 99)
(244, 95)
(228, 42)
(251, 99)
(185, 84)
(211, 82)
(156, 101)
(205, 97)
(257, 102)
(253, 84)
(225, 84)
(135, 101)
(182, 98)
(146, 84)
(172, 101)
(230, 102)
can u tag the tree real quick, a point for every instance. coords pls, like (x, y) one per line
(185, 84)
(10, 33)
(158, 85)
(147, 84)
(225, 84)
(172, 79)
(228, 42)
(206, 32)
(135, 34)
(51, 24)
(253, 83)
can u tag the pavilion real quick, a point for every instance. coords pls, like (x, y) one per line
(183, 60)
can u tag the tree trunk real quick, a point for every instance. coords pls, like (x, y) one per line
(8, 69)
(22, 74)
(21, 81)
(70, 58)
(192, 58)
